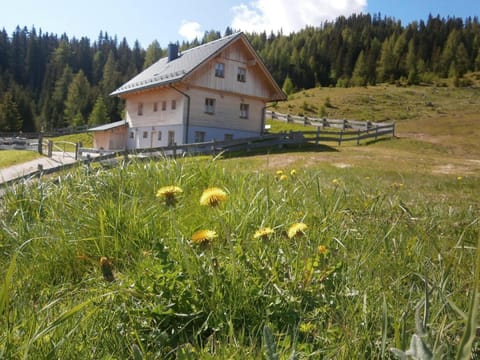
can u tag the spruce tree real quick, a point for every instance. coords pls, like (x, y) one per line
(10, 118)
(99, 113)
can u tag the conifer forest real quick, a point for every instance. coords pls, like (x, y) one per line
(50, 81)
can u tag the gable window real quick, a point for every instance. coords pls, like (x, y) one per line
(145, 134)
(199, 136)
(244, 111)
(174, 104)
(242, 74)
(210, 106)
(220, 70)
(171, 138)
(164, 105)
(155, 106)
(140, 109)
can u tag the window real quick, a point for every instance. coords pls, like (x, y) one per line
(210, 106)
(155, 106)
(140, 109)
(159, 136)
(145, 134)
(164, 105)
(199, 136)
(242, 74)
(171, 138)
(132, 134)
(220, 70)
(174, 104)
(228, 137)
(244, 111)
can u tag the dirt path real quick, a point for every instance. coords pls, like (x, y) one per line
(30, 167)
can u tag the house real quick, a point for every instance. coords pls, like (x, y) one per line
(217, 90)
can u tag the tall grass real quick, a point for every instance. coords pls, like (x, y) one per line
(345, 288)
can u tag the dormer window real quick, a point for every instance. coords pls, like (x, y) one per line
(220, 70)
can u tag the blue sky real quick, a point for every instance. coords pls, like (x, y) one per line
(171, 21)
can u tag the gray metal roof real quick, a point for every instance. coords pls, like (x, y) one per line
(108, 126)
(164, 72)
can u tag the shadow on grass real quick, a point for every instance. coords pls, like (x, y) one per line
(285, 149)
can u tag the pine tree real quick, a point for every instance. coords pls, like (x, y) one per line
(10, 118)
(288, 87)
(77, 102)
(99, 113)
(153, 54)
(359, 76)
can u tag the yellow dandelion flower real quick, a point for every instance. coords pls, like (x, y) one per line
(322, 249)
(279, 172)
(296, 229)
(293, 172)
(336, 182)
(213, 197)
(459, 178)
(283, 177)
(203, 236)
(169, 193)
(263, 233)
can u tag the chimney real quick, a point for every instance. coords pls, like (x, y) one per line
(172, 52)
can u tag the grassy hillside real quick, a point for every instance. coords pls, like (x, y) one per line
(388, 249)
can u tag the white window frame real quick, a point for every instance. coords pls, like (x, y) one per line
(242, 74)
(199, 137)
(210, 105)
(220, 69)
(244, 110)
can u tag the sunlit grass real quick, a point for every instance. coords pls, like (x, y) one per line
(14, 157)
(345, 285)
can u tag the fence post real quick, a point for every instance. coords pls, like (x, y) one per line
(376, 132)
(289, 118)
(324, 123)
(174, 150)
(344, 125)
(213, 147)
(305, 121)
(393, 130)
(367, 125)
(340, 138)
(49, 148)
(40, 144)
(358, 137)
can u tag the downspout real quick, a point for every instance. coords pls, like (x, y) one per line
(187, 121)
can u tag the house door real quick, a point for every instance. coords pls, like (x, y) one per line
(153, 139)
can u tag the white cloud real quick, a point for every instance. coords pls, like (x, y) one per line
(289, 16)
(190, 30)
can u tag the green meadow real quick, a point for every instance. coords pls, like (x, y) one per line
(385, 263)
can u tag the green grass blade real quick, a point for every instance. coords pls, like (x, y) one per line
(269, 344)
(465, 348)
(6, 285)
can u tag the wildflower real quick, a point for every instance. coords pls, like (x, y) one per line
(107, 269)
(322, 249)
(296, 229)
(203, 236)
(336, 182)
(279, 172)
(213, 197)
(263, 233)
(307, 327)
(169, 193)
(293, 172)
(459, 178)
(283, 177)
